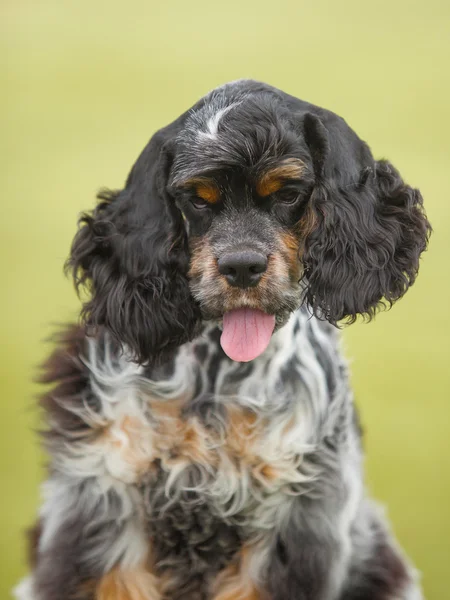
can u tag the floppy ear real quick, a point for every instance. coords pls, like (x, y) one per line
(367, 228)
(131, 253)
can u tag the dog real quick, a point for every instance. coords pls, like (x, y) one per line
(202, 435)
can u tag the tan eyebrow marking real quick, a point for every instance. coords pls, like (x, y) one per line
(205, 188)
(273, 179)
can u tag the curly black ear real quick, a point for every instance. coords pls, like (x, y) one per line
(369, 227)
(131, 253)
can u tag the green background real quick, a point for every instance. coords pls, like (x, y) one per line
(83, 86)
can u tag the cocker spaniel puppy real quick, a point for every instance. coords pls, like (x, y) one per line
(202, 435)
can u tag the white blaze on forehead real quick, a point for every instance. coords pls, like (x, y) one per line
(212, 124)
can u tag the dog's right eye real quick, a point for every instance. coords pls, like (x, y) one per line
(199, 203)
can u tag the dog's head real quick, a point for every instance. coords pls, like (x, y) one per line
(248, 205)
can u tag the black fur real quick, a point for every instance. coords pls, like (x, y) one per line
(70, 562)
(371, 227)
(379, 574)
(132, 253)
(190, 543)
(296, 544)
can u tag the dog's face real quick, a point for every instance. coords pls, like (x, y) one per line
(244, 208)
(244, 232)
(246, 214)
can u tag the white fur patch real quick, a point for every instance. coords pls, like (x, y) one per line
(24, 591)
(412, 589)
(89, 468)
(212, 125)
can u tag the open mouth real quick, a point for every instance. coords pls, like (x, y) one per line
(246, 333)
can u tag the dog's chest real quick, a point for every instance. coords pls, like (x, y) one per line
(224, 432)
(221, 450)
(207, 467)
(210, 452)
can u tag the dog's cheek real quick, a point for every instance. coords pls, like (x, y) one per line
(202, 263)
(206, 284)
(284, 264)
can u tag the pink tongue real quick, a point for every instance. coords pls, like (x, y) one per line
(246, 333)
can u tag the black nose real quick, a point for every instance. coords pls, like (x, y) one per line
(243, 268)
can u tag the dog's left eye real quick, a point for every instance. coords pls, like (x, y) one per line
(287, 196)
(199, 203)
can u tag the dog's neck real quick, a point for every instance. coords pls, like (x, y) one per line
(301, 367)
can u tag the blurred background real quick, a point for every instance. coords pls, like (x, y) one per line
(85, 83)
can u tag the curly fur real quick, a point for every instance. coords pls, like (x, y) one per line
(370, 234)
(131, 253)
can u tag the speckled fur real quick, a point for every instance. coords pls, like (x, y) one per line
(175, 476)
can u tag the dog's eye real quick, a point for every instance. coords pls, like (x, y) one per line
(199, 203)
(288, 196)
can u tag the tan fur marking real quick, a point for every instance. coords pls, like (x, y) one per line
(203, 261)
(133, 444)
(203, 270)
(245, 432)
(243, 429)
(305, 227)
(166, 409)
(273, 179)
(130, 446)
(234, 582)
(177, 439)
(132, 584)
(290, 248)
(269, 472)
(189, 441)
(205, 188)
(195, 444)
(278, 269)
(308, 222)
